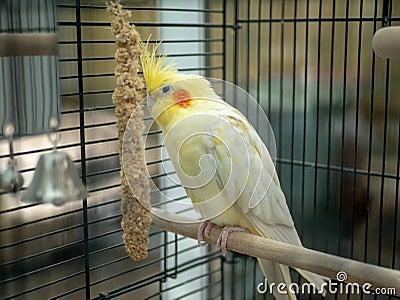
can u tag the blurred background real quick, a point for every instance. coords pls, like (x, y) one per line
(333, 105)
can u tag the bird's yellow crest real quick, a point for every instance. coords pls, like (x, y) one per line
(156, 71)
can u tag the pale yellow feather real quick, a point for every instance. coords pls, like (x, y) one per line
(156, 71)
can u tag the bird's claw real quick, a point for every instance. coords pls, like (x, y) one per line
(204, 228)
(223, 237)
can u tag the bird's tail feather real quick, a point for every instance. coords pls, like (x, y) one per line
(276, 273)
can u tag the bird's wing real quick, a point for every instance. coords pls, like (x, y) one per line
(262, 199)
(264, 204)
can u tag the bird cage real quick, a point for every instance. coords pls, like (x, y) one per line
(332, 104)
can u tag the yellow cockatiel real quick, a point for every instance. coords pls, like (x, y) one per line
(224, 166)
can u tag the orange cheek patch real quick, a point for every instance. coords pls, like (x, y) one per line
(182, 98)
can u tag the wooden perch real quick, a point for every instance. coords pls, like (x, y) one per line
(299, 257)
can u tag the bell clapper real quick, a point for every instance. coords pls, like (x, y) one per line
(54, 136)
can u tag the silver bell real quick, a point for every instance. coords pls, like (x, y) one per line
(56, 181)
(11, 179)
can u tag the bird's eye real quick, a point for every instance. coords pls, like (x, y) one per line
(166, 89)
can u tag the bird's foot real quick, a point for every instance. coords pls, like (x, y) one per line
(223, 237)
(204, 228)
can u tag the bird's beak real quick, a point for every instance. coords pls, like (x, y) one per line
(150, 103)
